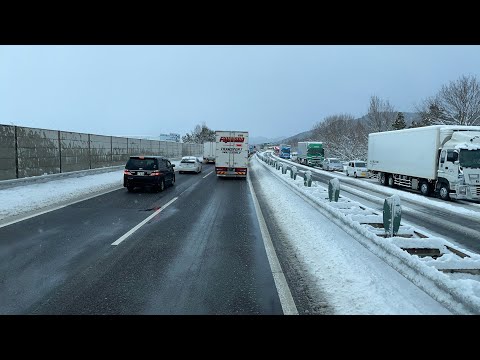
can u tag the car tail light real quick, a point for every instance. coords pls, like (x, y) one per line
(126, 172)
(155, 173)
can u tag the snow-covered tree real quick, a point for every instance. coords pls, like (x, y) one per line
(381, 115)
(457, 103)
(199, 135)
(399, 122)
(342, 137)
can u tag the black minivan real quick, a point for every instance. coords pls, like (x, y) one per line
(148, 171)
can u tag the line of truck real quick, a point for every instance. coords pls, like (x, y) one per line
(310, 153)
(438, 159)
(441, 160)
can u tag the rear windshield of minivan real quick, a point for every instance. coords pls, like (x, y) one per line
(144, 164)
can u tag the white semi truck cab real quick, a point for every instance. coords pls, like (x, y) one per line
(459, 165)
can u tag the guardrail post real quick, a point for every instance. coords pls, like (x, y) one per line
(307, 178)
(392, 215)
(293, 172)
(333, 189)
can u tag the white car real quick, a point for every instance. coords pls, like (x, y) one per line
(190, 164)
(332, 164)
(357, 168)
(294, 156)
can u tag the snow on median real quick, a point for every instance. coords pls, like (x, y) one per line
(447, 273)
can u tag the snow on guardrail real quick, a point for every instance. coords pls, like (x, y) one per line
(449, 274)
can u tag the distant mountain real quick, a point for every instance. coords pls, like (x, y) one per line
(254, 140)
(306, 135)
(409, 117)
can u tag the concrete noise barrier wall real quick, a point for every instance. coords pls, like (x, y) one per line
(26, 152)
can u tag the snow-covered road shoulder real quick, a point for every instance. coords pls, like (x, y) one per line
(25, 200)
(29, 199)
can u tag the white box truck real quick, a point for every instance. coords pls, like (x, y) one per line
(231, 154)
(439, 159)
(209, 152)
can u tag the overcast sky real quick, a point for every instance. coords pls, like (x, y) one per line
(269, 91)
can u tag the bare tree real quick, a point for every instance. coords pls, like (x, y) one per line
(342, 137)
(381, 115)
(429, 112)
(457, 103)
(199, 135)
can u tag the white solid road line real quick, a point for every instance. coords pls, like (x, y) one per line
(286, 299)
(208, 174)
(130, 232)
(58, 207)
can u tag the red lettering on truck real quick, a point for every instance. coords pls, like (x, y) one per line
(227, 139)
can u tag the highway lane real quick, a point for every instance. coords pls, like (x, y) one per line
(203, 254)
(40, 253)
(460, 229)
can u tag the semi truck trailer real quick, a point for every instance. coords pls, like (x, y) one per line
(310, 153)
(441, 159)
(231, 153)
(209, 151)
